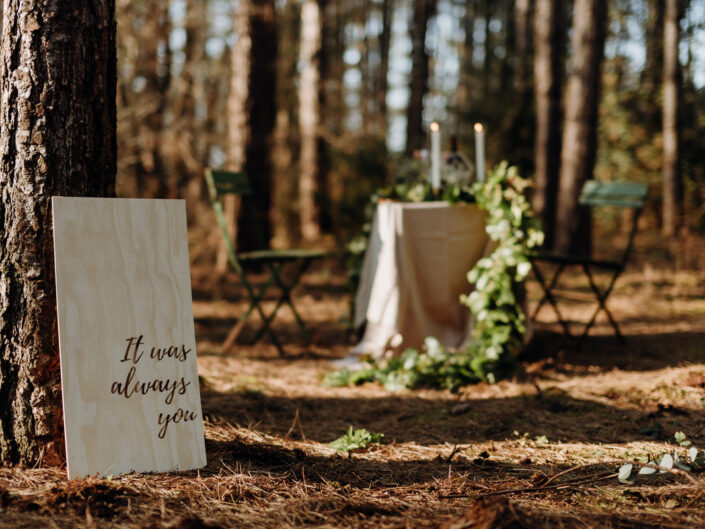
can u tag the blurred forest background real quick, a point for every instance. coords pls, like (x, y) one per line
(321, 101)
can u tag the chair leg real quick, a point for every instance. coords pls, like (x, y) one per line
(237, 328)
(256, 296)
(548, 296)
(266, 320)
(602, 305)
(233, 334)
(285, 297)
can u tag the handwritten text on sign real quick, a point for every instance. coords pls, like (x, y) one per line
(133, 386)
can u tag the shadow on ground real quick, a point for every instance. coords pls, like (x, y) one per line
(640, 352)
(409, 418)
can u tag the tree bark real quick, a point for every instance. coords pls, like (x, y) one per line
(261, 115)
(415, 135)
(547, 88)
(285, 217)
(366, 100)
(488, 49)
(672, 184)
(325, 216)
(654, 46)
(308, 118)
(384, 43)
(237, 119)
(518, 122)
(580, 125)
(465, 87)
(57, 137)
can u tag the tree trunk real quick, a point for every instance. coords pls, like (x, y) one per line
(518, 123)
(654, 46)
(366, 73)
(153, 65)
(308, 118)
(261, 115)
(547, 87)
(189, 143)
(285, 217)
(488, 51)
(580, 125)
(672, 184)
(415, 136)
(465, 88)
(384, 43)
(325, 216)
(237, 119)
(57, 137)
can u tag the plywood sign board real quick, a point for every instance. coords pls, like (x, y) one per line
(126, 336)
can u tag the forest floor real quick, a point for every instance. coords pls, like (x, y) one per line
(540, 450)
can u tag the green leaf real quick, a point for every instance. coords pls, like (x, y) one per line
(356, 440)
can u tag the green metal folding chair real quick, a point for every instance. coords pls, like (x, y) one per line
(593, 194)
(236, 183)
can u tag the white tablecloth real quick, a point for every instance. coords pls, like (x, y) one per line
(414, 272)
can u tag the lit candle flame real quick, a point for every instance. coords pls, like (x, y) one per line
(478, 127)
(434, 127)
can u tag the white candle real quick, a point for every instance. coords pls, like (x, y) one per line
(435, 156)
(479, 152)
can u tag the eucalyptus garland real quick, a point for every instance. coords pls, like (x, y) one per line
(498, 278)
(495, 302)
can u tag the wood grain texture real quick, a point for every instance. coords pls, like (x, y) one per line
(122, 272)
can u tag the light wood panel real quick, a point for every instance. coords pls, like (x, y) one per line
(124, 302)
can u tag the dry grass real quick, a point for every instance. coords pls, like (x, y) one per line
(537, 451)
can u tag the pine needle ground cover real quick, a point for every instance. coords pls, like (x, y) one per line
(540, 450)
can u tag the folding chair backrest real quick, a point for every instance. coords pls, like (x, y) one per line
(620, 195)
(227, 182)
(223, 183)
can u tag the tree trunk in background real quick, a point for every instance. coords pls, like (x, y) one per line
(285, 216)
(261, 116)
(580, 125)
(547, 88)
(488, 50)
(57, 137)
(517, 125)
(510, 12)
(672, 184)
(384, 42)
(336, 109)
(522, 25)
(415, 135)
(366, 74)
(651, 75)
(325, 217)
(237, 118)
(308, 118)
(188, 147)
(467, 70)
(153, 65)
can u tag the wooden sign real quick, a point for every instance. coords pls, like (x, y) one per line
(128, 352)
